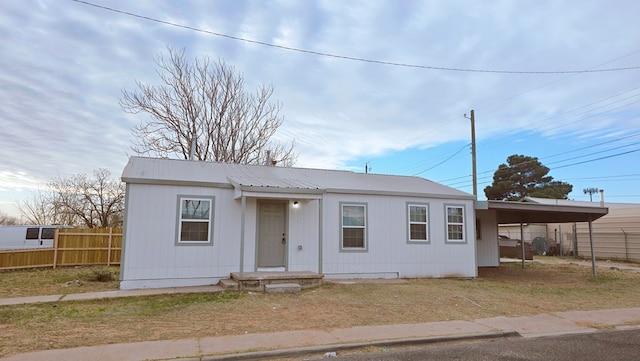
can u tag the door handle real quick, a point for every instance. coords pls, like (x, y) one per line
(284, 240)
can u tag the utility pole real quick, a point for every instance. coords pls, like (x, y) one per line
(473, 154)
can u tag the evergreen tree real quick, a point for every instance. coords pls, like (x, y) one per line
(524, 176)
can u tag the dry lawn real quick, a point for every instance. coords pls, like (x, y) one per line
(508, 290)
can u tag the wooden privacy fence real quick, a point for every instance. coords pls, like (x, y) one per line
(71, 247)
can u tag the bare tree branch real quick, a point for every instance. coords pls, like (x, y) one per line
(7, 220)
(80, 200)
(207, 101)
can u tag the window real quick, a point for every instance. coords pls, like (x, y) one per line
(455, 224)
(418, 226)
(48, 233)
(33, 233)
(195, 220)
(353, 226)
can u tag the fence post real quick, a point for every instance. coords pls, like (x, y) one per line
(560, 228)
(575, 241)
(55, 247)
(626, 245)
(109, 250)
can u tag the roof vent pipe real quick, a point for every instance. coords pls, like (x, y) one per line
(602, 198)
(267, 161)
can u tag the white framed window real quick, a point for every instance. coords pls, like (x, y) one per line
(418, 222)
(195, 220)
(353, 227)
(455, 224)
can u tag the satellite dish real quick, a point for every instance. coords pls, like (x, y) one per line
(540, 246)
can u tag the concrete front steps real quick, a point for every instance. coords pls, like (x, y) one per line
(272, 282)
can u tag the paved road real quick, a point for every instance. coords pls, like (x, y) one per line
(599, 346)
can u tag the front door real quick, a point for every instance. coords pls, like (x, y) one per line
(271, 234)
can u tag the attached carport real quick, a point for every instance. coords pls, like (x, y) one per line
(526, 212)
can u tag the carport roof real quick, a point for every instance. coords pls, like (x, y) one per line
(527, 212)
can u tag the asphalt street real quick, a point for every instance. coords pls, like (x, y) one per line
(598, 346)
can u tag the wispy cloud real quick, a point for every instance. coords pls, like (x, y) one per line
(64, 64)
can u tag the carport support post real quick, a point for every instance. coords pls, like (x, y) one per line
(522, 241)
(243, 203)
(593, 255)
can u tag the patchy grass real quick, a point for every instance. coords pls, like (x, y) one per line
(59, 281)
(508, 290)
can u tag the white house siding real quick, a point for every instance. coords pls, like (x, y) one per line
(151, 257)
(487, 244)
(303, 238)
(388, 253)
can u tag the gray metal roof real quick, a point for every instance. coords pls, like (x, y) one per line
(280, 179)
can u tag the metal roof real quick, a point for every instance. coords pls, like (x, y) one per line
(280, 179)
(529, 212)
(568, 202)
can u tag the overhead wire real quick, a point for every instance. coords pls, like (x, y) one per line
(444, 161)
(464, 180)
(352, 58)
(388, 63)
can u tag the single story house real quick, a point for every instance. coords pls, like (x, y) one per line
(193, 223)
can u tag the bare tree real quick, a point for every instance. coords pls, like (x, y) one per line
(96, 202)
(78, 201)
(40, 209)
(203, 109)
(7, 220)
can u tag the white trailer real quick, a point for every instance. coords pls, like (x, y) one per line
(31, 236)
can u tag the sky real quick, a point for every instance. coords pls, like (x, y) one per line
(385, 84)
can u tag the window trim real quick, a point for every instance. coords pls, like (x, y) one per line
(447, 224)
(365, 235)
(426, 223)
(179, 220)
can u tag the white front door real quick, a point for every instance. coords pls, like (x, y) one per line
(272, 240)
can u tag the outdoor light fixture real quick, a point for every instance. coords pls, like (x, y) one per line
(295, 204)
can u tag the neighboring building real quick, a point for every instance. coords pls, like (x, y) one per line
(193, 223)
(616, 235)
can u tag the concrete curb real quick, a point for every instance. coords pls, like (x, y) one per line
(300, 351)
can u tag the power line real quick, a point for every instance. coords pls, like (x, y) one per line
(351, 58)
(547, 124)
(608, 177)
(491, 105)
(590, 154)
(601, 158)
(463, 180)
(444, 161)
(466, 183)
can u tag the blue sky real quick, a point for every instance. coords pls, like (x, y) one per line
(64, 64)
